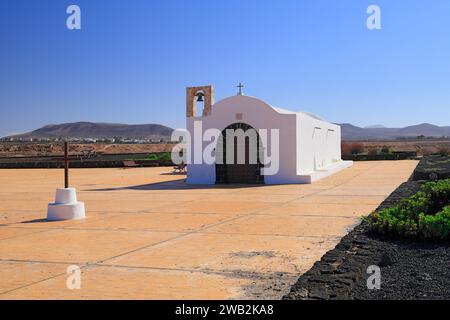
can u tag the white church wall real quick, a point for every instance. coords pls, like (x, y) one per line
(318, 144)
(259, 115)
(309, 148)
(198, 171)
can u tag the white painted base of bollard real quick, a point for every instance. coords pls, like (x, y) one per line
(72, 211)
(66, 206)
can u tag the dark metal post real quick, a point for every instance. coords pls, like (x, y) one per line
(66, 164)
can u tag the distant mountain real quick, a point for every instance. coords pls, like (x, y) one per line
(157, 131)
(99, 130)
(351, 132)
(375, 126)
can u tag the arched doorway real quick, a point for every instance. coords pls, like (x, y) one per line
(234, 171)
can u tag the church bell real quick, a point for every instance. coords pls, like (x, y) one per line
(200, 97)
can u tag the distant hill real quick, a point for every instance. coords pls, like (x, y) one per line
(374, 126)
(157, 131)
(99, 131)
(351, 132)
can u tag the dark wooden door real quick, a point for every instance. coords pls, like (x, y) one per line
(242, 172)
(246, 172)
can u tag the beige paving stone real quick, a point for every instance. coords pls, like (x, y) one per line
(76, 246)
(157, 221)
(8, 206)
(8, 232)
(230, 253)
(151, 197)
(340, 199)
(16, 275)
(134, 283)
(288, 191)
(16, 216)
(16, 196)
(358, 191)
(217, 206)
(38, 220)
(300, 226)
(256, 196)
(320, 209)
(125, 205)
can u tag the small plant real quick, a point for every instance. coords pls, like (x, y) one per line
(424, 215)
(386, 150)
(373, 152)
(444, 151)
(437, 226)
(159, 156)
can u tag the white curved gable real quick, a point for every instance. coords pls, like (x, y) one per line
(246, 100)
(242, 102)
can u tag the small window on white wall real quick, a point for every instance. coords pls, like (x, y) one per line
(317, 140)
(329, 146)
(316, 132)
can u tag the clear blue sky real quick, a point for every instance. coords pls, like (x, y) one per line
(132, 60)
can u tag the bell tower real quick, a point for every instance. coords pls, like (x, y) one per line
(203, 94)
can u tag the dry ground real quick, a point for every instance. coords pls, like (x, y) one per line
(422, 147)
(150, 236)
(8, 149)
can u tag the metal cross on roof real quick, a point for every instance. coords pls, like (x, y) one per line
(240, 86)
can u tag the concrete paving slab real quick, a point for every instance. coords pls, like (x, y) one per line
(7, 233)
(324, 210)
(133, 283)
(237, 253)
(76, 246)
(287, 225)
(340, 199)
(157, 221)
(216, 206)
(16, 275)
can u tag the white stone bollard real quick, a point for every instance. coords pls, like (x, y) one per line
(66, 206)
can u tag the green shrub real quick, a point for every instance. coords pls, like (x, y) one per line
(424, 215)
(159, 156)
(437, 226)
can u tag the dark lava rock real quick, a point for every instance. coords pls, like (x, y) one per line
(433, 167)
(389, 257)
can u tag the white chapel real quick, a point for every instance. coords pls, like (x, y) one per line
(291, 147)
